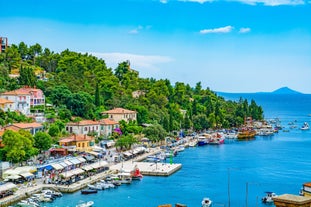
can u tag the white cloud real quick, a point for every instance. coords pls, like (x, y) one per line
(244, 30)
(198, 1)
(272, 2)
(140, 62)
(225, 29)
(163, 1)
(139, 28)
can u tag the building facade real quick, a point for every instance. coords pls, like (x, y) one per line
(83, 127)
(118, 114)
(82, 143)
(4, 44)
(107, 126)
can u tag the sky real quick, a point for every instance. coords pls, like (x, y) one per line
(227, 45)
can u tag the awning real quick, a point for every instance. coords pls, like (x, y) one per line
(26, 175)
(99, 164)
(67, 174)
(46, 167)
(68, 162)
(94, 153)
(75, 161)
(13, 177)
(89, 157)
(77, 171)
(7, 186)
(81, 159)
(57, 166)
(87, 167)
(127, 154)
(63, 164)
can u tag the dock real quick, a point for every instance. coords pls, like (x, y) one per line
(149, 168)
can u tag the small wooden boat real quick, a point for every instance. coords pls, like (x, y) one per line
(89, 191)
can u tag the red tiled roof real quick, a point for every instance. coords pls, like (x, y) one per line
(5, 101)
(27, 125)
(13, 128)
(83, 123)
(119, 111)
(22, 91)
(76, 137)
(108, 122)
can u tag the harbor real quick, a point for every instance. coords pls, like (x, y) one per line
(146, 168)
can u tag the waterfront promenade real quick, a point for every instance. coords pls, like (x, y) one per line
(159, 169)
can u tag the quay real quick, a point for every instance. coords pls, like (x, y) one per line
(146, 168)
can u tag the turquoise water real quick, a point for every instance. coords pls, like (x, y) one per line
(279, 163)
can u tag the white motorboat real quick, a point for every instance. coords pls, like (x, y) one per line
(269, 197)
(206, 202)
(86, 204)
(305, 126)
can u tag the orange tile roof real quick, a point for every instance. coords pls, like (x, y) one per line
(27, 125)
(108, 122)
(119, 111)
(83, 123)
(22, 91)
(76, 137)
(15, 93)
(308, 184)
(13, 128)
(5, 101)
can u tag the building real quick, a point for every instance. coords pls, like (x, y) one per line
(75, 142)
(4, 44)
(33, 127)
(6, 105)
(24, 99)
(83, 127)
(107, 126)
(20, 99)
(118, 114)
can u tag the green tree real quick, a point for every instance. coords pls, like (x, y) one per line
(27, 77)
(42, 140)
(155, 132)
(53, 130)
(18, 146)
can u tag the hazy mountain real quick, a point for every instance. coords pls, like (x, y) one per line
(285, 90)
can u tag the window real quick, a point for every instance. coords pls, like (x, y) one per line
(85, 128)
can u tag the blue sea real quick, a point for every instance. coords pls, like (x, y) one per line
(236, 174)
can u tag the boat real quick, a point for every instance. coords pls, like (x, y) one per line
(305, 126)
(135, 174)
(202, 140)
(269, 197)
(206, 202)
(85, 204)
(246, 133)
(216, 139)
(306, 189)
(88, 191)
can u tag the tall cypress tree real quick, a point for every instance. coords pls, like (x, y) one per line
(97, 97)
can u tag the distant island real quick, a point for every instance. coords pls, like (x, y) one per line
(285, 90)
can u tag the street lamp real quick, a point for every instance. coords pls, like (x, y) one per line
(229, 183)
(246, 196)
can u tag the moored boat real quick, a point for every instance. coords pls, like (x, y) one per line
(246, 133)
(269, 197)
(206, 202)
(85, 204)
(305, 126)
(88, 191)
(202, 140)
(306, 189)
